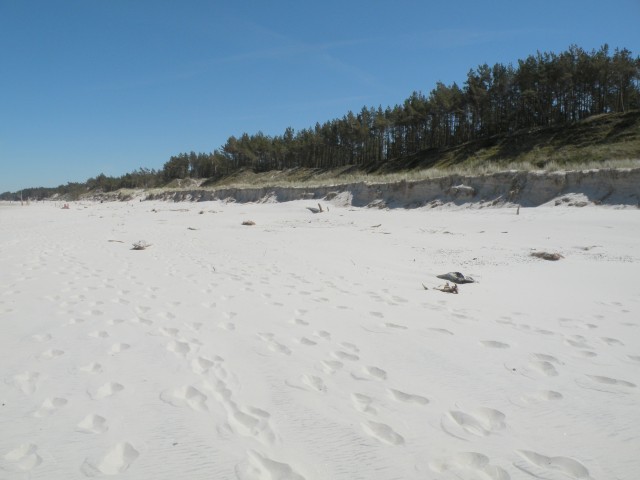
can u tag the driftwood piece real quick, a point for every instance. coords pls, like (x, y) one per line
(547, 256)
(456, 277)
(446, 288)
(316, 210)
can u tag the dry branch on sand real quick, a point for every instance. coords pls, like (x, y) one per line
(547, 255)
(446, 288)
(140, 245)
(316, 210)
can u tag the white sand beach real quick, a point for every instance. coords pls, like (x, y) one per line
(306, 347)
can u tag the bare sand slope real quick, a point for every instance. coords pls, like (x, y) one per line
(613, 187)
(305, 347)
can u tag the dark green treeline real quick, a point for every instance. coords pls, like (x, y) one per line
(545, 89)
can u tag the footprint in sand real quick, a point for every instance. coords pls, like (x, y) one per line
(188, 396)
(585, 354)
(44, 337)
(539, 397)
(480, 422)
(50, 406)
(350, 346)
(279, 348)
(305, 341)
(362, 403)
(542, 331)
(21, 459)
(469, 465)
(201, 365)
(118, 348)
(26, 381)
(92, 368)
(543, 357)
(340, 355)
(371, 373)
(196, 326)
(577, 341)
(614, 342)
(99, 334)
(444, 331)
(273, 345)
(541, 466)
(92, 424)
(228, 326)
(220, 372)
(250, 422)
(534, 368)
(394, 325)
(494, 344)
(382, 432)
(407, 397)
(322, 334)
(51, 354)
(106, 390)
(606, 384)
(179, 348)
(331, 366)
(258, 467)
(168, 332)
(314, 383)
(142, 321)
(116, 461)
(543, 367)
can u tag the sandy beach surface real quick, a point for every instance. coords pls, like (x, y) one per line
(306, 346)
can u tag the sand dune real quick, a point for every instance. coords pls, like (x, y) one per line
(306, 347)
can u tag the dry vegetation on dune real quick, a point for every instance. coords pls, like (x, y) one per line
(311, 178)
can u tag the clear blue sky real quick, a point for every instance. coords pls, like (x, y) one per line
(91, 86)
